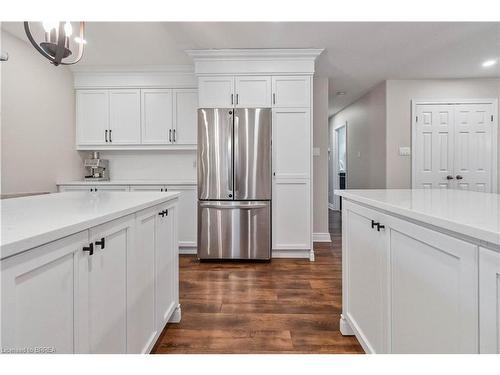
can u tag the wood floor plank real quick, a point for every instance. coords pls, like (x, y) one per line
(282, 306)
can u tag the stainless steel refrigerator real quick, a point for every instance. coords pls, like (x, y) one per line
(234, 183)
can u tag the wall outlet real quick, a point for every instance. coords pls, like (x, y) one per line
(404, 151)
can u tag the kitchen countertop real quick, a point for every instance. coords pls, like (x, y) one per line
(130, 182)
(468, 213)
(32, 221)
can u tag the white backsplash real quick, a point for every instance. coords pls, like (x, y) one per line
(149, 165)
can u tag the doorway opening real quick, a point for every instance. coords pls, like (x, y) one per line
(337, 164)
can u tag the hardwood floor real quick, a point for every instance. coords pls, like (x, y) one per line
(285, 306)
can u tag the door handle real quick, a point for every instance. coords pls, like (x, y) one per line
(459, 177)
(162, 214)
(174, 135)
(449, 177)
(380, 226)
(274, 98)
(101, 243)
(374, 224)
(110, 140)
(237, 98)
(89, 248)
(170, 135)
(106, 135)
(243, 206)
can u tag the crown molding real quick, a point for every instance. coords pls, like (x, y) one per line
(256, 53)
(132, 68)
(273, 61)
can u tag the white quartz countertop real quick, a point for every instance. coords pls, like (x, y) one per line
(468, 213)
(29, 222)
(130, 182)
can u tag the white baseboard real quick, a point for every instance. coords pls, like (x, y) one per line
(187, 250)
(321, 237)
(293, 254)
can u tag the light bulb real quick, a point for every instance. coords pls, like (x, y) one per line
(489, 63)
(68, 29)
(49, 25)
(80, 40)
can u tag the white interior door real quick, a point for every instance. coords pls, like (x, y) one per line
(473, 149)
(433, 145)
(454, 146)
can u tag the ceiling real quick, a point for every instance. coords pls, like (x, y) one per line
(357, 56)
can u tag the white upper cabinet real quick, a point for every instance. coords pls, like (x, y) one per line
(125, 116)
(157, 116)
(185, 116)
(253, 91)
(291, 91)
(92, 117)
(216, 92)
(292, 143)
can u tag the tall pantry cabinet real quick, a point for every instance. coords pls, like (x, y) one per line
(281, 80)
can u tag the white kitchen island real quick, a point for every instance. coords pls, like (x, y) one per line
(421, 270)
(88, 272)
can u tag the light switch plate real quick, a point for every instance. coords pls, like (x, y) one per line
(316, 151)
(404, 151)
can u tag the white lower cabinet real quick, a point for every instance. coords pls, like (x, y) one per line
(433, 291)
(166, 266)
(109, 289)
(489, 301)
(93, 188)
(367, 277)
(410, 289)
(38, 294)
(102, 300)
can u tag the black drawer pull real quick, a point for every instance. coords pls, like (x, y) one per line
(101, 243)
(374, 223)
(89, 248)
(380, 226)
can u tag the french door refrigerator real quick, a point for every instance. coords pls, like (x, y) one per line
(234, 183)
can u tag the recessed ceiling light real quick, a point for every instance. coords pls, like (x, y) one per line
(489, 63)
(341, 92)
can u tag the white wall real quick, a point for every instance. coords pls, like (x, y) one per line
(320, 162)
(38, 125)
(399, 96)
(366, 137)
(150, 165)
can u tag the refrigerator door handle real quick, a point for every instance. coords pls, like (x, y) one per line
(230, 160)
(240, 206)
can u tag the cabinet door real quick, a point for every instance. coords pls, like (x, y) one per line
(63, 188)
(188, 214)
(253, 91)
(489, 301)
(125, 116)
(216, 92)
(166, 267)
(102, 289)
(434, 284)
(38, 295)
(291, 215)
(291, 143)
(185, 117)
(157, 116)
(366, 278)
(92, 116)
(141, 325)
(292, 91)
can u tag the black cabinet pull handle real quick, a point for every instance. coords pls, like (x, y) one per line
(161, 213)
(166, 212)
(110, 130)
(106, 135)
(374, 223)
(89, 248)
(380, 226)
(101, 243)
(170, 135)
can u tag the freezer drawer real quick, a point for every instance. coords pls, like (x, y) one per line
(234, 230)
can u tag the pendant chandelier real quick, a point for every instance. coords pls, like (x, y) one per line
(55, 47)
